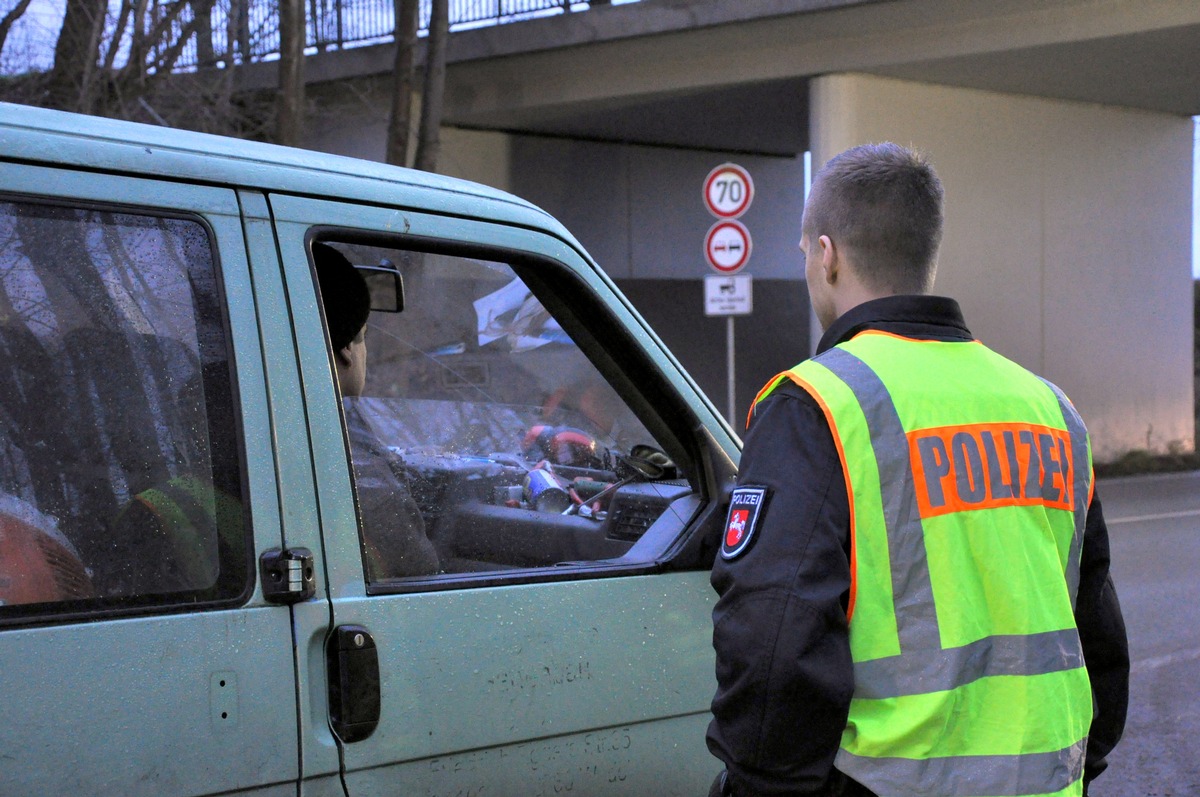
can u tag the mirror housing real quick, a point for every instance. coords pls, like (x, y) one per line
(386, 286)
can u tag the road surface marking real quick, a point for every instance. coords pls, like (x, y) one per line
(1162, 516)
(1162, 661)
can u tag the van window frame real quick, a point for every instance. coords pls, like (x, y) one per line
(638, 382)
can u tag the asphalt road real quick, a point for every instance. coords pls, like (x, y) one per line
(1154, 526)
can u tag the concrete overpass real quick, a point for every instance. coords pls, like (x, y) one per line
(1061, 130)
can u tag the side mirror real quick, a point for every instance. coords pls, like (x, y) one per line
(386, 286)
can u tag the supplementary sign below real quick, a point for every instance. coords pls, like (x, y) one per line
(727, 246)
(728, 295)
(728, 191)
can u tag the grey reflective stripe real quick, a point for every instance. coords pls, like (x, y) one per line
(925, 671)
(916, 615)
(923, 666)
(1081, 485)
(967, 776)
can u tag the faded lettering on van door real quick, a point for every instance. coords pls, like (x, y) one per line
(579, 764)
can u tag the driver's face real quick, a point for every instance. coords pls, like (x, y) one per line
(353, 377)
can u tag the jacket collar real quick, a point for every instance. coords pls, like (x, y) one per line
(917, 316)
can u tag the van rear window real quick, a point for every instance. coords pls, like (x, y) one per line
(120, 481)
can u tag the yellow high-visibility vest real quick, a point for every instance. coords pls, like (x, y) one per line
(194, 515)
(969, 480)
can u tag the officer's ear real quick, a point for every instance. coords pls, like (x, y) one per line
(829, 258)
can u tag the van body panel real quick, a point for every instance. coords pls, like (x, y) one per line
(581, 673)
(294, 489)
(39, 135)
(244, 293)
(655, 758)
(104, 707)
(99, 705)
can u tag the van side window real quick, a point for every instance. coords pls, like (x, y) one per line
(483, 440)
(120, 482)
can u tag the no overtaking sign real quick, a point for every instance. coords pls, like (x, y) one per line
(727, 246)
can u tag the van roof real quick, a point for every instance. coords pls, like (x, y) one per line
(39, 135)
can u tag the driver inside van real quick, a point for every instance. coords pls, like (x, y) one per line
(394, 540)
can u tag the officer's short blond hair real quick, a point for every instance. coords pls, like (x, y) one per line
(883, 203)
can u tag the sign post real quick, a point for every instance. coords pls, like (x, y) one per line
(728, 192)
(729, 296)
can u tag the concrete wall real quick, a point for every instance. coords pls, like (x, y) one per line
(640, 210)
(1068, 238)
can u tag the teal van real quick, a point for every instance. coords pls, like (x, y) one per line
(202, 587)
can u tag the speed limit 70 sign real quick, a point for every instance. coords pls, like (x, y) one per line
(728, 191)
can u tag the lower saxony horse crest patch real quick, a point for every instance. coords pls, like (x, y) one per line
(745, 509)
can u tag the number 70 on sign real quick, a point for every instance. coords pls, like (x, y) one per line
(728, 191)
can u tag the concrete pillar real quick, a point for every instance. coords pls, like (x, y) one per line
(1068, 238)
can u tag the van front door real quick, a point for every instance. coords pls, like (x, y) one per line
(512, 510)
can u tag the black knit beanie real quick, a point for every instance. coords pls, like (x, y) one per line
(344, 294)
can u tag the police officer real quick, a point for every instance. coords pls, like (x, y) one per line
(915, 567)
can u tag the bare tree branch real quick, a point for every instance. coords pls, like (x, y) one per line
(166, 61)
(289, 118)
(400, 121)
(432, 98)
(118, 33)
(10, 19)
(71, 84)
(152, 37)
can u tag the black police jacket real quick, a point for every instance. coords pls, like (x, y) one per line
(784, 675)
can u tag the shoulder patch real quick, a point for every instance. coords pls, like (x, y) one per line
(746, 508)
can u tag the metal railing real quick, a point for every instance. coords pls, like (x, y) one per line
(244, 31)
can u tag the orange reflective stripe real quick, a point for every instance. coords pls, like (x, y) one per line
(883, 334)
(984, 466)
(837, 441)
(762, 394)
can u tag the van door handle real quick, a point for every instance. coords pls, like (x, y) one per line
(352, 662)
